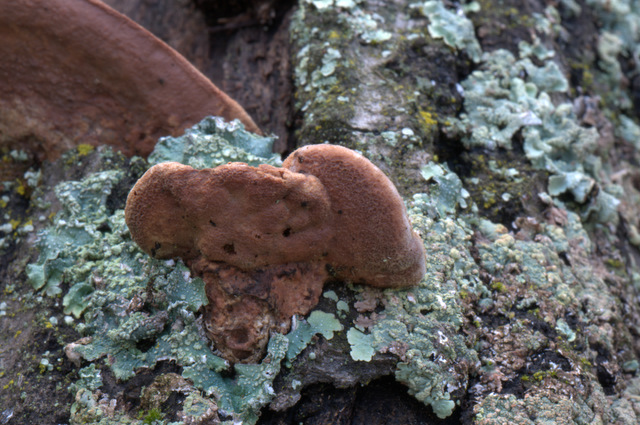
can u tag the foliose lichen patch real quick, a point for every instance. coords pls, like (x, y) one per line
(543, 293)
(383, 96)
(138, 311)
(542, 300)
(500, 102)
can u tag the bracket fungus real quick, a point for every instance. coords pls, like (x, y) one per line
(77, 71)
(265, 239)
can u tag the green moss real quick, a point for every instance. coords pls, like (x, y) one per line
(498, 286)
(151, 417)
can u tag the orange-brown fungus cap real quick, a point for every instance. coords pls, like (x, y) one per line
(77, 71)
(244, 307)
(373, 240)
(244, 216)
(263, 238)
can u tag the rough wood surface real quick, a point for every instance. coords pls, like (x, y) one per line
(520, 168)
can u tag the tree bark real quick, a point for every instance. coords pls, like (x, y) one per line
(511, 130)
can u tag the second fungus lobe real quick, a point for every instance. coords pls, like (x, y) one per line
(78, 62)
(342, 218)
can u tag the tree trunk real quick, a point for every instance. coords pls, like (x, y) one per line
(511, 130)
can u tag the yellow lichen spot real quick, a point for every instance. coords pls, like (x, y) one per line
(14, 223)
(436, 158)
(8, 385)
(318, 127)
(615, 263)
(585, 362)
(3, 203)
(48, 325)
(84, 149)
(17, 334)
(6, 158)
(428, 119)
(488, 204)
(334, 34)
(498, 286)
(21, 189)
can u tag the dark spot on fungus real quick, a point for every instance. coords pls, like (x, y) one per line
(239, 336)
(212, 223)
(266, 276)
(330, 270)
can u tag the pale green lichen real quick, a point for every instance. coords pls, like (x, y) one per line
(318, 322)
(214, 142)
(563, 328)
(330, 295)
(449, 193)
(499, 102)
(421, 324)
(342, 307)
(137, 310)
(629, 131)
(90, 378)
(75, 237)
(619, 37)
(452, 26)
(361, 345)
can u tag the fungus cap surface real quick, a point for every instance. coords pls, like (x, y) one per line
(373, 238)
(240, 215)
(265, 239)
